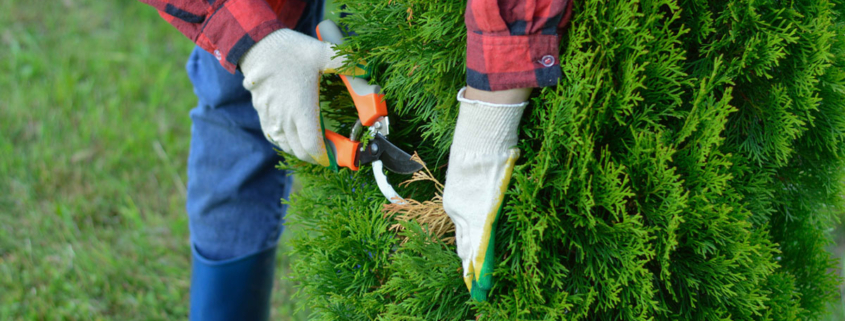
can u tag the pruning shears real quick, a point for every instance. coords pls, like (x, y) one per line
(349, 152)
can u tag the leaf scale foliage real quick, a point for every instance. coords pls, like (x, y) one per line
(686, 167)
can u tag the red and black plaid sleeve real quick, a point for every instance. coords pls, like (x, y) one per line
(228, 28)
(514, 43)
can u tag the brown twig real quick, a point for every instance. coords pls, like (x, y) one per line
(429, 214)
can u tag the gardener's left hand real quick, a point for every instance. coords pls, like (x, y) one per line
(481, 161)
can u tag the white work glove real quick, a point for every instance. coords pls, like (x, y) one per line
(481, 161)
(282, 71)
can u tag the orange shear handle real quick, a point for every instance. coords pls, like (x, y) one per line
(345, 150)
(368, 99)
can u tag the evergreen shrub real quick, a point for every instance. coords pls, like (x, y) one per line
(688, 166)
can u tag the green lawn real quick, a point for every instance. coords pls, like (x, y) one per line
(94, 134)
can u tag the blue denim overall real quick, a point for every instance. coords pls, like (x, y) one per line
(234, 198)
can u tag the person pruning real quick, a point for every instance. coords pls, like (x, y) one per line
(255, 71)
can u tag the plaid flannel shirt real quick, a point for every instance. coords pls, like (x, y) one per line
(228, 28)
(514, 43)
(510, 43)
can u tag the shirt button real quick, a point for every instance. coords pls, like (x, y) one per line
(547, 60)
(217, 54)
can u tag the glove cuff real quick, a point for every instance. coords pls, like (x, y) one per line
(486, 128)
(254, 58)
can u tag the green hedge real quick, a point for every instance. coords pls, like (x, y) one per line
(687, 167)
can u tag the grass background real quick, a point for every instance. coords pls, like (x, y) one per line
(94, 136)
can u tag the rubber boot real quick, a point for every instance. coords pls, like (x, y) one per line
(236, 289)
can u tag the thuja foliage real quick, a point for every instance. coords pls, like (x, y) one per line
(686, 167)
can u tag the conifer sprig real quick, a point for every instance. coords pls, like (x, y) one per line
(686, 167)
(429, 214)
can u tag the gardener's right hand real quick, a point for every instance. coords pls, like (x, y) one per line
(282, 71)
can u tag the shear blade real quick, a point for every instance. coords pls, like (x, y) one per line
(393, 158)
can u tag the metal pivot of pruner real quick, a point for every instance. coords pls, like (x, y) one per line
(372, 112)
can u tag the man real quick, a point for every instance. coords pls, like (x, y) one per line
(255, 72)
